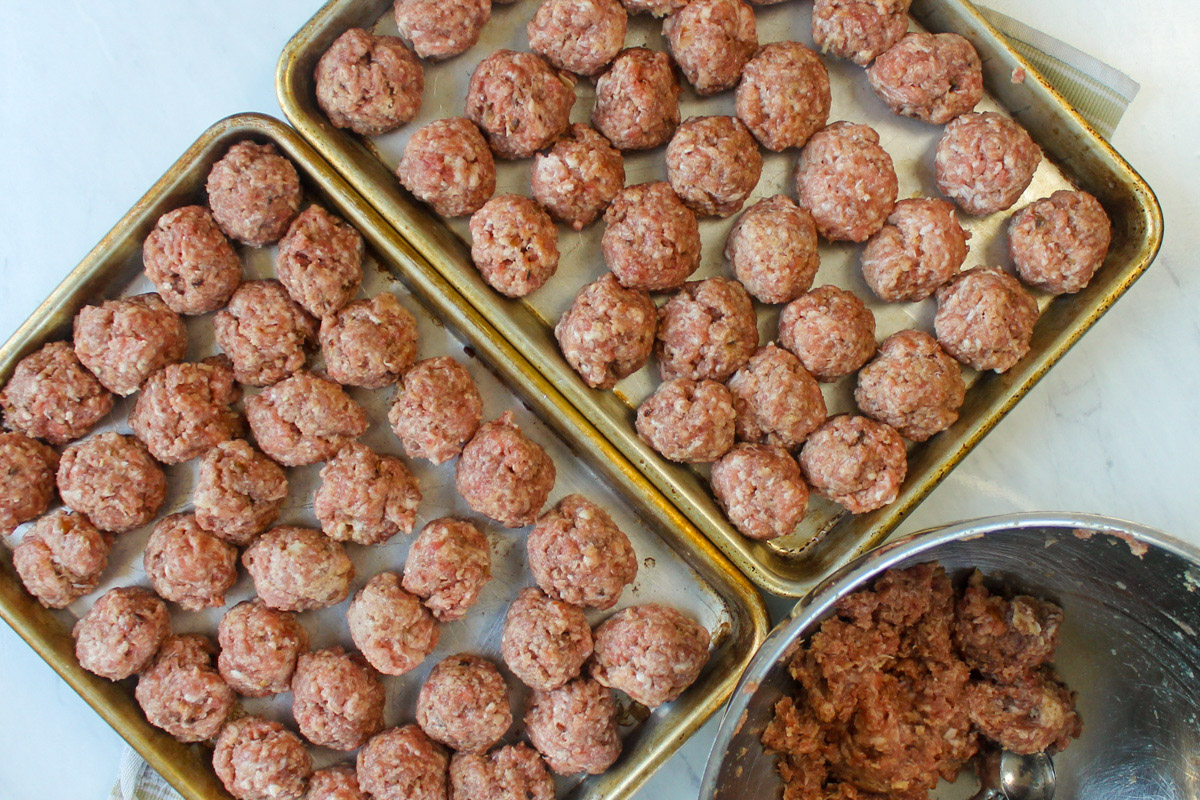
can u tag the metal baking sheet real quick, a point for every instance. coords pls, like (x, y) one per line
(674, 565)
(829, 536)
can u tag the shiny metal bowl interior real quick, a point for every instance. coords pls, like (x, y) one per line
(1130, 647)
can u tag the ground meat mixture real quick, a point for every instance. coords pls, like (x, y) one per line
(1033, 715)
(188, 565)
(1005, 639)
(185, 409)
(921, 247)
(29, 468)
(829, 330)
(577, 554)
(637, 99)
(61, 558)
(122, 342)
(254, 194)
(337, 699)
(776, 400)
(464, 704)
(855, 461)
(521, 102)
(783, 97)
(859, 30)
(369, 84)
(514, 244)
(51, 396)
(437, 410)
(574, 727)
(320, 261)
(846, 181)
(503, 474)
(190, 262)
(711, 41)
(447, 566)
(912, 385)
(113, 480)
(985, 161)
(297, 569)
(708, 330)
(930, 77)
(439, 29)
(545, 641)
(259, 648)
(391, 627)
(449, 165)
(369, 343)
(579, 177)
(761, 490)
(580, 36)
(985, 319)
(335, 783)
(608, 333)
(182, 692)
(120, 635)
(512, 772)
(773, 250)
(264, 333)
(259, 759)
(304, 419)
(239, 492)
(713, 163)
(688, 421)
(403, 764)
(650, 652)
(366, 498)
(1058, 242)
(651, 239)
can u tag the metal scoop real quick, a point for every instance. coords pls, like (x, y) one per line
(1007, 776)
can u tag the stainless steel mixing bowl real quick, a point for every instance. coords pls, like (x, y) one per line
(1130, 647)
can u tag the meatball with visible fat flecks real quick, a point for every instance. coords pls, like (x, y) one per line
(859, 30)
(511, 772)
(829, 330)
(297, 569)
(440, 29)
(712, 40)
(29, 468)
(449, 165)
(259, 759)
(391, 627)
(1059, 242)
(984, 162)
(650, 652)
(254, 194)
(773, 250)
(185, 409)
(369, 343)
(688, 421)
(190, 262)
(930, 77)
(60, 558)
(846, 181)
(503, 474)
(708, 330)
(580, 36)
(651, 239)
(577, 554)
(574, 727)
(337, 699)
(1033, 715)
(776, 400)
(320, 261)
(855, 461)
(51, 396)
(985, 319)
(403, 764)
(783, 96)
(912, 385)
(182, 692)
(637, 99)
(608, 333)
(264, 332)
(761, 490)
(437, 410)
(579, 177)
(259, 648)
(364, 497)
(113, 481)
(447, 566)
(369, 84)
(121, 633)
(521, 103)
(335, 783)
(545, 641)
(713, 164)
(238, 493)
(514, 245)
(920, 248)
(304, 419)
(123, 342)
(188, 565)
(464, 704)
(1005, 639)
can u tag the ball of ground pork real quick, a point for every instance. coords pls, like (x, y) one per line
(921, 247)
(985, 319)
(503, 474)
(447, 566)
(369, 343)
(761, 490)
(708, 330)
(688, 421)
(120, 635)
(60, 558)
(29, 468)
(846, 181)
(637, 99)
(578, 178)
(186, 409)
(254, 194)
(113, 481)
(440, 29)
(521, 103)
(297, 569)
(713, 164)
(182, 692)
(1058, 242)
(320, 261)
(437, 410)
(912, 385)
(514, 245)
(574, 727)
(188, 565)
(776, 400)
(403, 764)
(577, 554)
(259, 759)
(391, 627)
(545, 641)
(51, 396)
(449, 165)
(304, 419)
(337, 699)
(264, 333)
(464, 704)
(190, 262)
(511, 771)
(369, 84)
(783, 96)
(259, 648)
(984, 162)
(365, 497)
(122, 342)
(650, 652)
(830, 330)
(239, 492)
(930, 77)
(855, 461)
(651, 240)
(773, 250)
(859, 30)
(580, 36)
(711, 41)
(608, 333)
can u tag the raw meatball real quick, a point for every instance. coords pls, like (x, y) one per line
(113, 480)
(514, 244)
(637, 99)
(859, 30)
(259, 759)
(608, 333)
(61, 558)
(437, 410)
(254, 194)
(182, 692)
(829, 330)
(707, 330)
(449, 165)
(403, 764)
(846, 181)
(1034, 715)
(930, 77)
(650, 652)
(335, 783)
(439, 29)
(651, 239)
(337, 699)
(238, 493)
(51, 396)
(574, 727)
(1058, 242)
(711, 41)
(391, 627)
(503, 474)
(122, 342)
(297, 569)
(855, 461)
(577, 554)
(783, 97)
(512, 772)
(688, 421)
(304, 419)
(369, 84)
(985, 161)
(920, 248)
(464, 704)
(264, 333)
(320, 261)
(447, 566)
(369, 343)
(190, 262)
(121, 633)
(1005, 640)
(579, 177)
(776, 400)
(580, 36)
(773, 250)
(546, 641)
(985, 319)
(364, 497)
(713, 163)
(259, 648)
(188, 565)
(760, 489)
(911, 385)
(185, 409)
(521, 102)
(28, 467)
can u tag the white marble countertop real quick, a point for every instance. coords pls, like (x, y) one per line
(99, 98)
